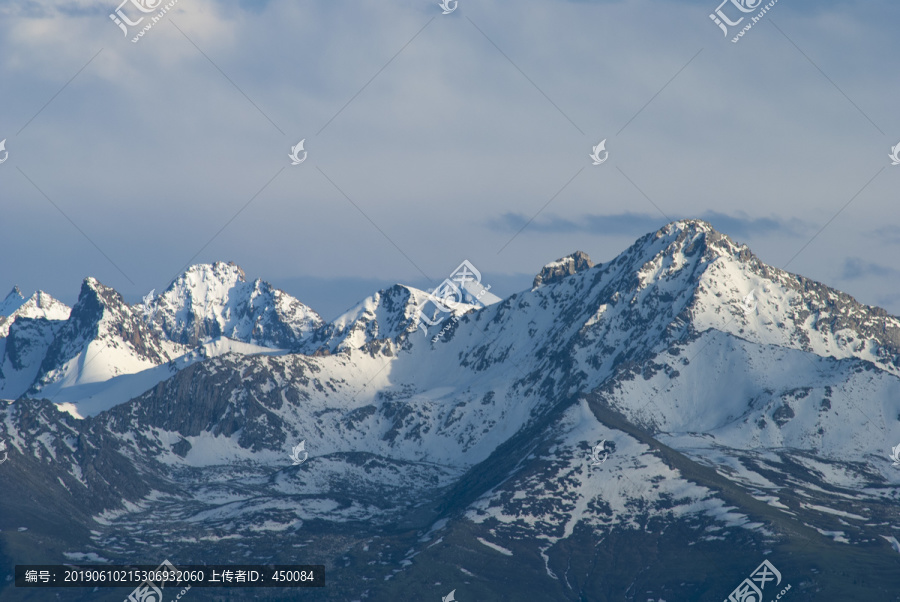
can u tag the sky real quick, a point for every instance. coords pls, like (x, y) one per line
(434, 138)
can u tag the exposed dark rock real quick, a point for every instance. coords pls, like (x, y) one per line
(559, 269)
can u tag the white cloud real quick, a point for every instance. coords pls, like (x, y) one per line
(151, 144)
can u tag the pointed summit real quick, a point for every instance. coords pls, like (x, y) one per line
(12, 302)
(388, 315)
(689, 274)
(102, 338)
(38, 305)
(694, 238)
(219, 271)
(386, 320)
(215, 300)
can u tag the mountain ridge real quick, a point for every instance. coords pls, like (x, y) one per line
(726, 419)
(209, 301)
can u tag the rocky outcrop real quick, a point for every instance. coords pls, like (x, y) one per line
(559, 269)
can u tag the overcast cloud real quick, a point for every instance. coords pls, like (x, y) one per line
(434, 138)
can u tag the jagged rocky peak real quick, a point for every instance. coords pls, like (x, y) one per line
(213, 300)
(692, 235)
(204, 285)
(94, 295)
(12, 302)
(201, 291)
(120, 340)
(220, 271)
(38, 305)
(566, 266)
(387, 314)
(101, 310)
(42, 299)
(690, 244)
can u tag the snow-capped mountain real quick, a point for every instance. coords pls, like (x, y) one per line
(105, 351)
(27, 328)
(649, 428)
(211, 301)
(102, 338)
(390, 316)
(22, 351)
(12, 302)
(38, 305)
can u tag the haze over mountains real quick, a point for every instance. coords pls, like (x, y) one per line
(742, 413)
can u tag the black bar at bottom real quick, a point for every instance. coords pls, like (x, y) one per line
(169, 576)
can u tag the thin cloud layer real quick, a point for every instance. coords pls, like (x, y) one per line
(633, 224)
(855, 269)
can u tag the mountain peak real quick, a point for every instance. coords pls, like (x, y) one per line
(12, 302)
(91, 284)
(684, 241)
(681, 230)
(206, 282)
(96, 295)
(565, 266)
(693, 224)
(44, 301)
(93, 299)
(38, 305)
(219, 270)
(212, 300)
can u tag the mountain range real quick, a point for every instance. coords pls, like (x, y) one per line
(649, 428)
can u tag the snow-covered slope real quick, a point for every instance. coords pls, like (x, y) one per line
(389, 317)
(452, 394)
(91, 398)
(27, 328)
(102, 338)
(38, 305)
(21, 353)
(728, 418)
(90, 357)
(12, 302)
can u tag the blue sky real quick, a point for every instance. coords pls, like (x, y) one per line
(434, 138)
